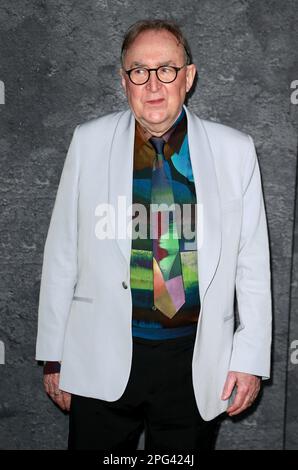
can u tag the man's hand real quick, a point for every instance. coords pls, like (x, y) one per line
(51, 385)
(248, 387)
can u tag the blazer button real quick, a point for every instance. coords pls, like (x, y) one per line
(153, 307)
(124, 285)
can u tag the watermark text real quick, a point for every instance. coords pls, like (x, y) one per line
(2, 353)
(294, 353)
(294, 94)
(2, 92)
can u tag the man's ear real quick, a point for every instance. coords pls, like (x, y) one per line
(123, 81)
(190, 76)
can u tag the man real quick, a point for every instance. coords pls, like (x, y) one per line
(138, 306)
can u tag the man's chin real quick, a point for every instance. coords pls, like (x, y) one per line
(154, 120)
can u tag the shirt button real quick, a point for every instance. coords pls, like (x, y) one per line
(153, 308)
(124, 285)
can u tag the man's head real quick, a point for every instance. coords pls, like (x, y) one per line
(151, 44)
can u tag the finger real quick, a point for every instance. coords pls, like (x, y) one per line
(57, 397)
(51, 382)
(46, 387)
(228, 387)
(252, 394)
(46, 383)
(246, 399)
(257, 391)
(49, 388)
(55, 380)
(247, 403)
(238, 400)
(248, 391)
(67, 400)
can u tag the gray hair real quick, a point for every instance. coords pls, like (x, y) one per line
(155, 25)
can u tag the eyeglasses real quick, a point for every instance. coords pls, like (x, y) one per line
(164, 73)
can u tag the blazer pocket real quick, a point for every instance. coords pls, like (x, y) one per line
(87, 300)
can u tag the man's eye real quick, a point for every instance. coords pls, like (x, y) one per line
(166, 69)
(140, 71)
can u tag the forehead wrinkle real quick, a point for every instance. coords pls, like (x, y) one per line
(158, 64)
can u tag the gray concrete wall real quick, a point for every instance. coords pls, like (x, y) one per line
(59, 64)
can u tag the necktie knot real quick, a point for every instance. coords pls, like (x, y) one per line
(158, 144)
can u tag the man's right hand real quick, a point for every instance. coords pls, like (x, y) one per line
(51, 385)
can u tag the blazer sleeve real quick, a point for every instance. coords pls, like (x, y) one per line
(252, 340)
(59, 270)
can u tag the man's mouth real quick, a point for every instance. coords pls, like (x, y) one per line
(155, 102)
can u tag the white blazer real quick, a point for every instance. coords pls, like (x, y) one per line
(85, 305)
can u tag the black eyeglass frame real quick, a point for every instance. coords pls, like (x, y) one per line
(177, 69)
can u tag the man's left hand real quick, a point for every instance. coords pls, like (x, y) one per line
(248, 387)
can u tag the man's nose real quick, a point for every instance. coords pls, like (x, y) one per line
(153, 83)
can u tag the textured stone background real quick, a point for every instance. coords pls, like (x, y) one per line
(59, 63)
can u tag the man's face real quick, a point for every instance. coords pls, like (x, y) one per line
(156, 105)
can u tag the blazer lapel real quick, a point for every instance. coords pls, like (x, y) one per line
(209, 218)
(120, 182)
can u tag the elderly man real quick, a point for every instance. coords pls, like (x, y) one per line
(159, 219)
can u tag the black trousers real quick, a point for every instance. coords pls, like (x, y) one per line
(159, 398)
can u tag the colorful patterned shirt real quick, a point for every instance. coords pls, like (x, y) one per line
(147, 321)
